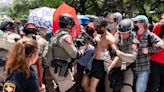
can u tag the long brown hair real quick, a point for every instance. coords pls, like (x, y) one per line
(19, 57)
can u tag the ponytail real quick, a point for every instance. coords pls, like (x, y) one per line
(19, 57)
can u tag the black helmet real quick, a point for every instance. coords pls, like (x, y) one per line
(7, 25)
(100, 22)
(66, 19)
(126, 25)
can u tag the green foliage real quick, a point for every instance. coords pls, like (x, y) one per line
(4, 9)
(129, 8)
(21, 8)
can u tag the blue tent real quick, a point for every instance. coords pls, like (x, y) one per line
(91, 17)
(83, 20)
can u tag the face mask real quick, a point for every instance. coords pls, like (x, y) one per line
(90, 32)
(135, 29)
(100, 31)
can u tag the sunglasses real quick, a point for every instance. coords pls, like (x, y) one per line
(135, 22)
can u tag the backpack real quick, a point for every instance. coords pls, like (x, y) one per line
(4, 48)
(7, 41)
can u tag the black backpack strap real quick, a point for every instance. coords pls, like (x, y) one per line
(149, 40)
(162, 29)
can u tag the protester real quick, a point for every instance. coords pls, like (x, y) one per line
(147, 40)
(110, 54)
(156, 82)
(102, 57)
(21, 77)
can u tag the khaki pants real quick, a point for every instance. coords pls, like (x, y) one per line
(128, 79)
(64, 83)
(107, 84)
(49, 80)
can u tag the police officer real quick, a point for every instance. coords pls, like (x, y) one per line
(9, 34)
(7, 41)
(31, 31)
(63, 52)
(127, 43)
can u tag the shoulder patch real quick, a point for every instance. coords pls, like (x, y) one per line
(68, 40)
(9, 87)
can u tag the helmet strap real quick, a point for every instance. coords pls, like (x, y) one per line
(121, 35)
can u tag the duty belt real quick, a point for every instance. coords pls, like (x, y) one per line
(60, 66)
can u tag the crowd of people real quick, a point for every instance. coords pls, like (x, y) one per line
(111, 54)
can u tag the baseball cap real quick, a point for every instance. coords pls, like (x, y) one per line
(30, 28)
(141, 18)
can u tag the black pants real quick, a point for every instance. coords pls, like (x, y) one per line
(78, 78)
(156, 80)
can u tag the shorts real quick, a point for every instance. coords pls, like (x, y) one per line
(97, 69)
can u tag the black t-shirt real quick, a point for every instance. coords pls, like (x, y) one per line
(17, 82)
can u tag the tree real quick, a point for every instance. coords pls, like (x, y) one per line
(129, 8)
(21, 8)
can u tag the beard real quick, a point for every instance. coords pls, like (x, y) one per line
(100, 31)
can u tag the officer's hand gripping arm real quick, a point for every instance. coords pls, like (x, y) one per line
(130, 58)
(114, 63)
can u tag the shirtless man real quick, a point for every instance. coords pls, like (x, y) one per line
(104, 41)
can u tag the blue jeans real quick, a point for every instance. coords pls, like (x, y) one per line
(142, 79)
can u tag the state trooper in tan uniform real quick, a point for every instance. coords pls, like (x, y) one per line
(128, 44)
(63, 52)
(7, 41)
